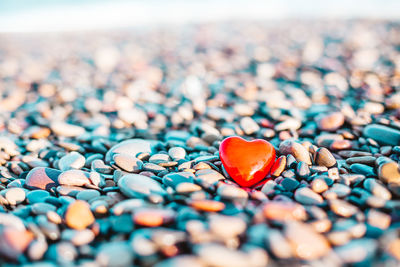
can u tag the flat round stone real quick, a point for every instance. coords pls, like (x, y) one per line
(330, 122)
(208, 176)
(128, 163)
(173, 179)
(15, 195)
(342, 208)
(73, 160)
(297, 150)
(177, 153)
(305, 242)
(389, 172)
(384, 135)
(186, 188)
(66, 129)
(74, 177)
(131, 147)
(159, 158)
(227, 226)
(377, 189)
(231, 192)
(219, 255)
(153, 217)
(78, 215)
(87, 194)
(136, 185)
(42, 208)
(207, 205)
(13, 241)
(306, 196)
(42, 178)
(279, 166)
(283, 211)
(324, 157)
(37, 196)
(114, 254)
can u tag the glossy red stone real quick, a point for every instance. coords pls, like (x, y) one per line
(247, 162)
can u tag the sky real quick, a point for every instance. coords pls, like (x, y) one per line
(73, 15)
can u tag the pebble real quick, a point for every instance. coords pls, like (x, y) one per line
(87, 195)
(73, 160)
(279, 166)
(207, 205)
(138, 186)
(368, 160)
(42, 208)
(389, 172)
(74, 178)
(394, 249)
(15, 195)
(323, 157)
(330, 122)
(290, 184)
(37, 196)
(151, 167)
(232, 192)
(362, 169)
(283, 211)
(13, 242)
(128, 163)
(78, 215)
(288, 124)
(131, 147)
(305, 242)
(177, 153)
(278, 244)
(187, 188)
(218, 255)
(382, 134)
(67, 130)
(342, 208)
(377, 189)
(302, 170)
(114, 254)
(356, 251)
(249, 126)
(78, 237)
(306, 196)
(153, 217)
(208, 177)
(340, 190)
(268, 187)
(378, 219)
(295, 149)
(319, 185)
(227, 226)
(42, 178)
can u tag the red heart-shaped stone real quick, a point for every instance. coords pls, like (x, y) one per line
(247, 162)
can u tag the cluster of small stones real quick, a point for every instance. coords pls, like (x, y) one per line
(109, 146)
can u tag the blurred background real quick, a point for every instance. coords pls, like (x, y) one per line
(70, 15)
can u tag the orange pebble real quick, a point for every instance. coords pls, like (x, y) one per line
(18, 240)
(208, 205)
(282, 211)
(78, 215)
(152, 217)
(340, 144)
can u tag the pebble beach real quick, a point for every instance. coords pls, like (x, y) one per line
(110, 145)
